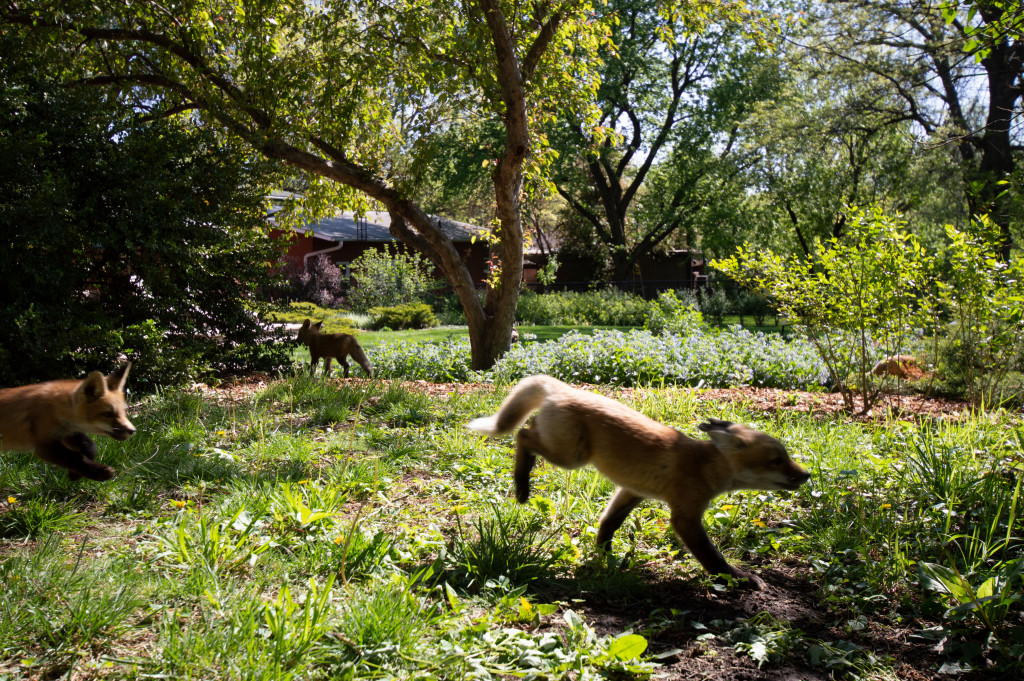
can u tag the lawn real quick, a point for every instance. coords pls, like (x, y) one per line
(304, 528)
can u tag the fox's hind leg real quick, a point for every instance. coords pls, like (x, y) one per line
(615, 513)
(525, 458)
(78, 463)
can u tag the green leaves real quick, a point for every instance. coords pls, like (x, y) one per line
(853, 295)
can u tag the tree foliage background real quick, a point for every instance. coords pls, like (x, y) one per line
(121, 236)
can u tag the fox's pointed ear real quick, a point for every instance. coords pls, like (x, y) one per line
(318, 325)
(116, 380)
(305, 324)
(726, 435)
(92, 388)
(715, 424)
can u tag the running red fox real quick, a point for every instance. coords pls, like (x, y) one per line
(643, 457)
(55, 420)
(331, 345)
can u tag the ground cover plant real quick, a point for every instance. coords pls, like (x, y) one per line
(701, 358)
(302, 528)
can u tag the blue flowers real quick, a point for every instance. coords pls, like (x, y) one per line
(730, 358)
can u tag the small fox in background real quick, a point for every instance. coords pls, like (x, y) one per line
(331, 345)
(646, 459)
(55, 419)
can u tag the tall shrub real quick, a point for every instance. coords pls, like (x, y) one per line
(319, 283)
(124, 237)
(855, 299)
(389, 277)
(982, 295)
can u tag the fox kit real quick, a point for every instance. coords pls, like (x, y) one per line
(331, 345)
(55, 420)
(643, 457)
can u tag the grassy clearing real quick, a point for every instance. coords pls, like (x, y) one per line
(325, 530)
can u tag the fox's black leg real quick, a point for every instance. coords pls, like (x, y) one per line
(344, 365)
(77, 463)
(690, 529)
(327, 365)
(524, 464)
(84, 445)
(615, 513)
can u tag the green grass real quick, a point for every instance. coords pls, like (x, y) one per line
(312, 530)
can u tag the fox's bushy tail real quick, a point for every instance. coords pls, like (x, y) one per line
(360, 357)
(524, 399)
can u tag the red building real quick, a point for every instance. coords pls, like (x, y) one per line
(345, 237)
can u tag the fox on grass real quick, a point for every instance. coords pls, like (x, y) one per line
(331, 345)
(646, 459)
(55, 420)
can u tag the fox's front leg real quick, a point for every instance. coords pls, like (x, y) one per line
(77, 463)
(84, 445)
(344, 366)
(615, 513)
(691, 530)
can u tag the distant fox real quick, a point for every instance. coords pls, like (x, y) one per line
(331, 345)
(643, 457)
(55, 420)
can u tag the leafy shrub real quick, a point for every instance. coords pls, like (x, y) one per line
(609, 307)
(389, 277)
(335, 321)
(983, 296)
(672, 315)
(449, 310)
(754, 306)
(406, 316)
(861, 310)
(714, 305)
(123, 237)
(731, 358)
(320, 283)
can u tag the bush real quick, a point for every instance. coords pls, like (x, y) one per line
(125, 237)
(861, 310)
(389, 277)
(609, 307)
(443, 362)
(407, 316)
(672, 315)
(335, 321)
(714, 305)
(319, 284)
(754, 306)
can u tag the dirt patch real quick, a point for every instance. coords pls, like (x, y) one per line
(769, 400)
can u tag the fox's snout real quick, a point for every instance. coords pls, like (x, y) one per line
(122, 431)
(797, 476)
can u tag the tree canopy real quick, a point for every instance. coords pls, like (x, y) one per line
(357, 94)
(124, 236)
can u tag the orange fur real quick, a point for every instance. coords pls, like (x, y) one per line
(646, 459)
(55, 419)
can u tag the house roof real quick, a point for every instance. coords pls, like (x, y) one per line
(373, 226)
